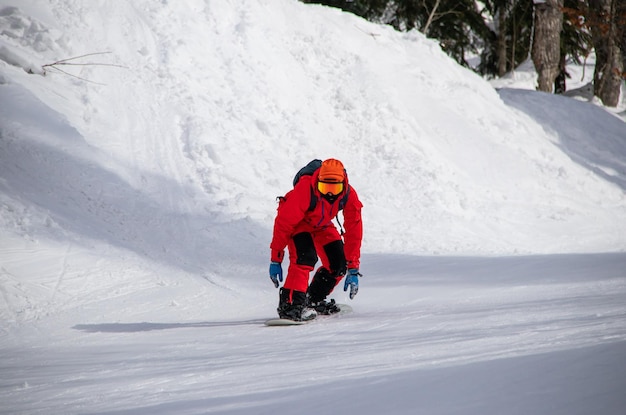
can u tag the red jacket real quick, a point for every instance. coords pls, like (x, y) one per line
(293, 217)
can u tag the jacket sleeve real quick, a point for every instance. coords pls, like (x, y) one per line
(353, 225)
(291, 211)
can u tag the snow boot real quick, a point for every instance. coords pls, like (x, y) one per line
(292, 306)
(322, 284)
(325, 307)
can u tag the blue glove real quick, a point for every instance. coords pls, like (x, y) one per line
(352, 281)
(276, 273)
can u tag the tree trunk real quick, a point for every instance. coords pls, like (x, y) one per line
(560, 83)
(607, 32)
(501, 45)
(621, 25)
(547, 42)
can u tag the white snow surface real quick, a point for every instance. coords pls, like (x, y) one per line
(137, 197)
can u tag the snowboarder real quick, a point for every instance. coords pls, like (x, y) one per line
(304, 225)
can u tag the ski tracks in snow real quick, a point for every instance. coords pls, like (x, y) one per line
(413, 317)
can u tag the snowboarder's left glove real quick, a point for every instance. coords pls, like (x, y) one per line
(276, 273)
(352, 281)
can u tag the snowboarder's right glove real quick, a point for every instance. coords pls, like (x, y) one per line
(352, 281)
(276, 273)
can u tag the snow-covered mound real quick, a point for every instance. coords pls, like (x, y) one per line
(218, 104)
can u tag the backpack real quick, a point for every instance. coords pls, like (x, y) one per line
(308, 170)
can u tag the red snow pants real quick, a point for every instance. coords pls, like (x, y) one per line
(304, 249)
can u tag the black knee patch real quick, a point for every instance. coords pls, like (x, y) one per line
(322, 285)
(336, 258)
(305, 249)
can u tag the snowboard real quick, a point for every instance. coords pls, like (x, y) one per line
(277, 322)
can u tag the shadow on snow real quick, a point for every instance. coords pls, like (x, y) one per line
(145, 326)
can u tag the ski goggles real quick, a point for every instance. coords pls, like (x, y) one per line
(333, 188)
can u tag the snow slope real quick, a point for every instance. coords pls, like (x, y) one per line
(137, 199)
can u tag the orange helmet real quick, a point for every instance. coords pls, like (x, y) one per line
(332, 171)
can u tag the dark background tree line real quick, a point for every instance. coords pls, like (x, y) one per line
(505, 33)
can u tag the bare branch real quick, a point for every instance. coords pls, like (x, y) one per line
(372, 34)
(431, 16)
(84, 64)
(66, 62)
(81, 56)
(75, 76)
